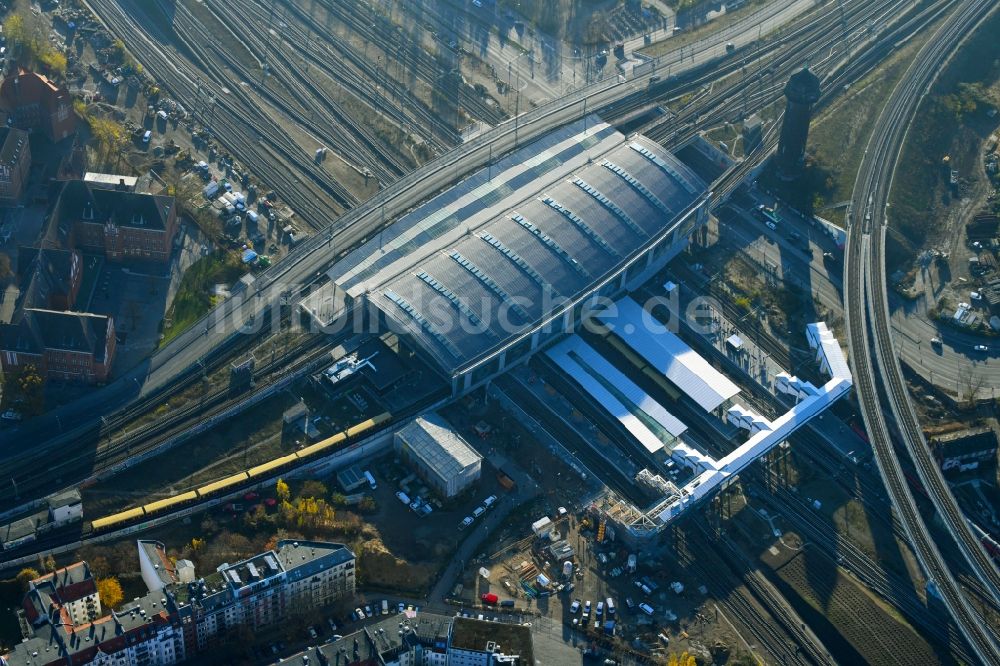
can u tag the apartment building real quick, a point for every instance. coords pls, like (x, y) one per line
(180, 615)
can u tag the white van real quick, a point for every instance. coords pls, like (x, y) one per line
(609, 602)
(385, 607)
(147, 136)
(371, 480)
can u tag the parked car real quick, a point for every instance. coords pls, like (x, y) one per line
(489, 501)
(982, 348)
(312, 632)
(467, 521)
(646, 608)
(402, 497)
(360, 614)
(478, 511)
(575, 607)
(368, 611)
(586, 609)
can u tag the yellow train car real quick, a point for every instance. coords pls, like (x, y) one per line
(365, 426)
(168, 502)
(222, 484)
(326, 444)
(117, 519)
(265, 468)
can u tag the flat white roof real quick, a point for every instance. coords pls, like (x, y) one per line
(596, 375)
(828, 347)
(110, 179)
(773, 432)
(664, 351)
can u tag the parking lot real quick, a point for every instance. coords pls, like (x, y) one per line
(657, 597)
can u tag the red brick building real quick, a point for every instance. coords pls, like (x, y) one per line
(120, 224)
(78, 347)
(15, 163)
(49, 278)
(33, 102)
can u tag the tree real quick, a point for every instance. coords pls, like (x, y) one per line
(25, 576)
(24, 391)
(313, 488)
(53, 60)
(6, 273)
(281, 489)
(110, 136)
(110, 591)
(15, 29)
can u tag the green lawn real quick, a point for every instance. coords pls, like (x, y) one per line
(194, 297)
(837, 139)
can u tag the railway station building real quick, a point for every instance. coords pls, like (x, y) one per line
(489, 271)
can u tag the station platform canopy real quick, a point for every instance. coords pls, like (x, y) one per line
(645, 419)
(666, 352)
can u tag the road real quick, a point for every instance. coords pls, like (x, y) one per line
(525, 489)
(868, 332)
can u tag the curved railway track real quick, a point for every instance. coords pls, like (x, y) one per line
(864, 295)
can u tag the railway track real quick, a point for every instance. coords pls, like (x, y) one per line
(314, 108)
(812, 42)
(892, 587)
(231, 114)
(36, 476)
(864, 294)
(740, 591)
(341, 61)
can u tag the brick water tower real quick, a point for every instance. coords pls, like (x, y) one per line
(801, 91)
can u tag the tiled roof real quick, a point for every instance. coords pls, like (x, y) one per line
(79, 200)
(38, 330)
